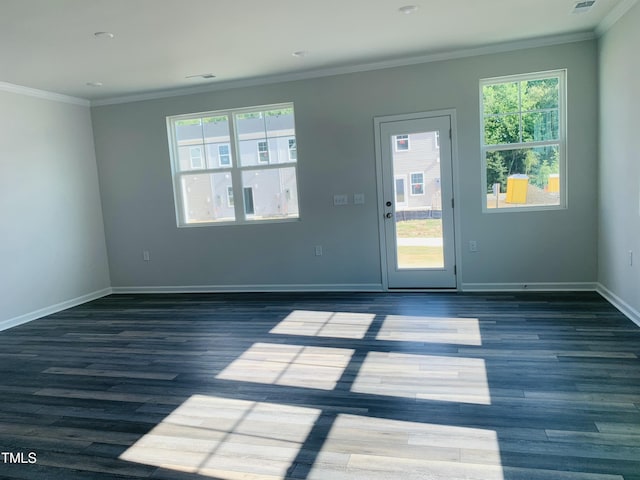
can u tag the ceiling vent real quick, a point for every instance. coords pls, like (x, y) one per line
(583, 7)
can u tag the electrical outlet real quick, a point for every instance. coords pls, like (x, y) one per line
(358, 198)
(145, 255)
(318, 250)
(473, 246)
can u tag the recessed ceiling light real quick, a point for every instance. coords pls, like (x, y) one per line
(94, 84)
(103, 35)
(408, 9)
(201, 75)
(300, 53)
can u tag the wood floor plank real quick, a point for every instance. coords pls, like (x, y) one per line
(338, 386)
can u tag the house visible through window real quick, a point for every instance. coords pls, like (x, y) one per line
(246, 156)
(523, 141)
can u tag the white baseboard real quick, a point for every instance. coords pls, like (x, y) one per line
(616, 301)
(43, 312)
(529, 287)
(348, 287)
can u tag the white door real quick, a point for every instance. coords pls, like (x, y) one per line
(416, 191)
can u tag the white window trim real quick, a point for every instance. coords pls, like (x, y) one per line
(235, 170)
(411, 184)
(289, 149)
(220, 155)
(561, 74)
(395, 190)
(200, 157)
(395, 143)
(230, 195)
(260, 161)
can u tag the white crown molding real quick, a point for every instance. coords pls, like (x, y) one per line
(614, 15)
(363, 67)
(33, 92)
(43, 312)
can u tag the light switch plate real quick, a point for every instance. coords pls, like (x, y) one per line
(340, 200)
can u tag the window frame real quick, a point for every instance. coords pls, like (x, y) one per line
(412, 183)
(294, 157)
(200, 157)
(561, 142)
(228, 155)
(266, 151)
(395, 143)
(235, 170)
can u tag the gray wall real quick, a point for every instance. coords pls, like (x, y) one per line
(52, 245)
(334, 122)
(620, 160)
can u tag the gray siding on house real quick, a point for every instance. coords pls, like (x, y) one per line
(421, 158)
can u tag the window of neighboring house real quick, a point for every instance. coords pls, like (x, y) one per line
(224, 155)
(417, 183)
(195, 157)
(400, 191)
(258, 188)
(263, 151)
(229, 196)
(248, 201)
(293, 149)
(402, 143)
(524, 141)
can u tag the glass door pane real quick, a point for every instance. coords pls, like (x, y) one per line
(418, 209)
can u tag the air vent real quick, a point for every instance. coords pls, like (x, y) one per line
(585, 6)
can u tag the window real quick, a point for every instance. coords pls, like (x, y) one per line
(230, 196)
(242, 155)
(293, 149)
(523, 141)
(263, 152)
(224, 155)
(401, 199)
(248, 201)
(195, 157)
(417, 183)
(402, 143)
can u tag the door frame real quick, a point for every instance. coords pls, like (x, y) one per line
(377, 121)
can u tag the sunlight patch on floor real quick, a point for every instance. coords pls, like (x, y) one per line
(409, 328)
(325, 324)
(424, 377)
(227, 439)
(383, 448)
(290, 365)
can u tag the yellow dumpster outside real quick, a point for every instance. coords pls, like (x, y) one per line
(554, 183)
(517, 186)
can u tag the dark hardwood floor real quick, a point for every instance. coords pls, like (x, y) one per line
(323, 386)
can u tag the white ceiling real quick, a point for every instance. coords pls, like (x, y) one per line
(50, 44)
